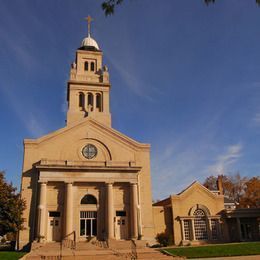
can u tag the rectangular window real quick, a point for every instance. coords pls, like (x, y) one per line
(214, 229)
(201, 231)
(186, 224)
(82, 227)
(88, 223)
(120, 213)
(89, 231)
(54, 213)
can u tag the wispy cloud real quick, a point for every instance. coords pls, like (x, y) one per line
(34, 127)
(223, 161)
(135, 84)
(256, 119)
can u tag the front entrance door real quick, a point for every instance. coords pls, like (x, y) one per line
(88, 223)
(54, 225)
(121, 225)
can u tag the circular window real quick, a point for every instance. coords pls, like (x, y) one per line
(89, 151)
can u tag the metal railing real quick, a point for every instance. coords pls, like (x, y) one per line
(69, 242)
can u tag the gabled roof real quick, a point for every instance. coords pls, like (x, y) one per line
(193, 185)
(89, 121)
(164, 202)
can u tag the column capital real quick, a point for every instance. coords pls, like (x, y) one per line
(109, 183)
(133, 183)
(69, 182)
(41, 182)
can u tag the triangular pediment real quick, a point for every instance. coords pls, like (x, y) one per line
(90, 123)
(69, 142)
(195, 187)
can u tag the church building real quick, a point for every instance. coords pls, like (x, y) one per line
(86, 179)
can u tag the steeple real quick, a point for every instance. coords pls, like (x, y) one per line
(88, 86)
(89, 20)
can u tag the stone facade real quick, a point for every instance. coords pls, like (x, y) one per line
(86, 178)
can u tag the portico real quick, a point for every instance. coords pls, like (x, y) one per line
(73, 179)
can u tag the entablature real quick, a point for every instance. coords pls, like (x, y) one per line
(127, 166)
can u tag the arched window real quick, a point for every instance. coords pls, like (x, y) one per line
(86, 66)
(81, 100)
(99, 102)
(90, 101)
(92, 66)
(88, 199)
(200, 225)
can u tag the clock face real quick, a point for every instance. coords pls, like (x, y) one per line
(89, 151)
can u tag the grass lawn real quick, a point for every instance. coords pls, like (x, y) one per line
(251, 248)
(11, 255)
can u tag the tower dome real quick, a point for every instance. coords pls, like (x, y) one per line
(89, 43)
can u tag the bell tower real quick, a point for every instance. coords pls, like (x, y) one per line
(88, 86)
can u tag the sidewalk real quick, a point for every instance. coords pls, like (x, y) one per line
(247, 257)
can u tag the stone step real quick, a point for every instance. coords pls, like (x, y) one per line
(93, 250)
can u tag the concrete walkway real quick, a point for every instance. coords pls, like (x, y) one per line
(246, 257)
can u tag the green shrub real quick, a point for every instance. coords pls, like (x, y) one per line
(164, 239)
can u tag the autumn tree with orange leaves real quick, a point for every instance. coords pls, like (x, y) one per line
(244, 191)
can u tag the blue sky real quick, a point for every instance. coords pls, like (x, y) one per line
(185, 78)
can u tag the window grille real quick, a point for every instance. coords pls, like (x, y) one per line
(200, 225)
(88, 214)
(186, 224)
(214, 229)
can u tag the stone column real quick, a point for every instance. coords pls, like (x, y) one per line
(110, 211)
(86, 102)
(94, 102)
(182, 230)
(134, 202)
(69, 209)
(239, 229)
(193, 230)
(42, 212)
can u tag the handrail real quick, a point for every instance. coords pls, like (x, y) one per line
(68, 242)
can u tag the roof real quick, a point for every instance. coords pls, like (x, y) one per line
(228, 200)
(89, 42)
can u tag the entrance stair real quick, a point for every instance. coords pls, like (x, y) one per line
(95, 250)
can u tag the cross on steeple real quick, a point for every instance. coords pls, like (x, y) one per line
(89, 20)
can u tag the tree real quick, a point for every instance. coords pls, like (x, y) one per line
(232, 185)
(251, 197)
(109, 5)
(211, 183)
(242, 190)
(11, 207)
(237, 187)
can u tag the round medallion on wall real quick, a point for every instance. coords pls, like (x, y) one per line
(89, 151)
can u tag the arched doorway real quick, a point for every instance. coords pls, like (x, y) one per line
(88, 217)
